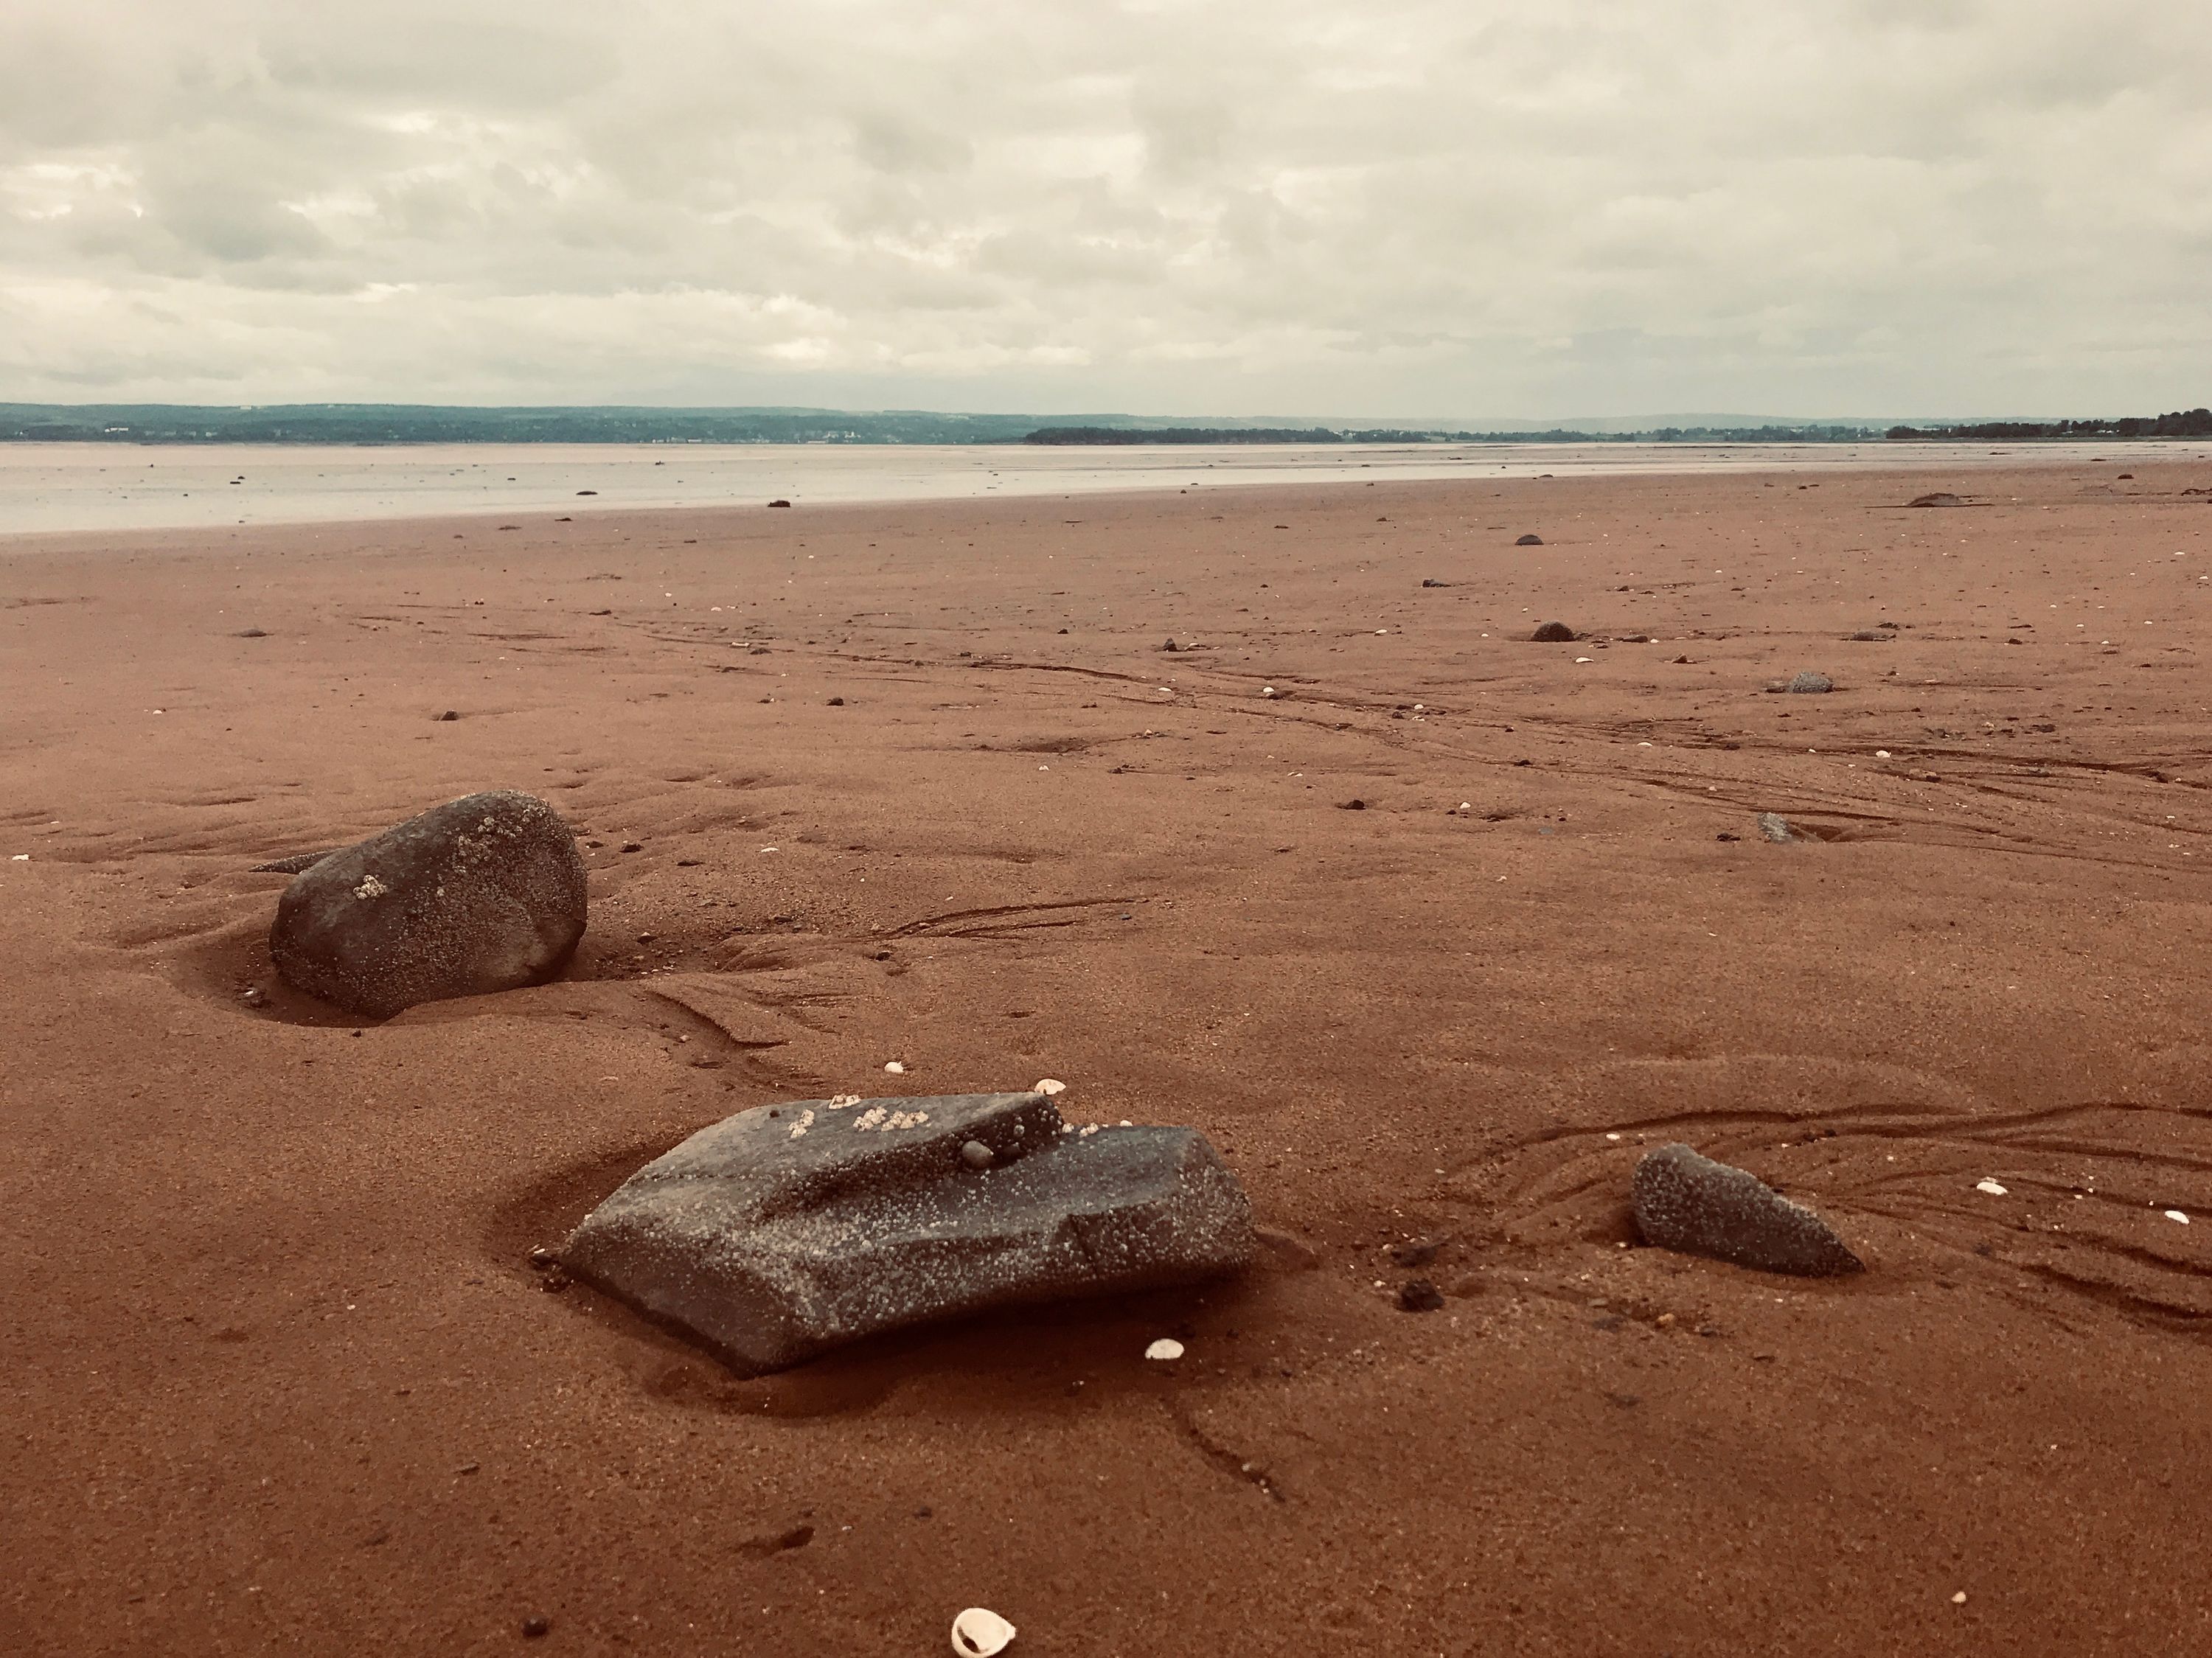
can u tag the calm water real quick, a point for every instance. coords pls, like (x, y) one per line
(46, 487)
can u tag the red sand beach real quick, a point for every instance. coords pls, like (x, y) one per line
(279, 1377)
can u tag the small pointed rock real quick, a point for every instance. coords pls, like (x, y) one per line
(1689, 1203)
(1553, 633)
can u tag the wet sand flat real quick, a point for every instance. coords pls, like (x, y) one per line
(1432, 943)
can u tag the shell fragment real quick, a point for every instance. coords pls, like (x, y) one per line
(978, 1632)
(1990, 1186)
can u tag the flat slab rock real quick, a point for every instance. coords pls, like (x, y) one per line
(786, 1230)
(1691, 1204)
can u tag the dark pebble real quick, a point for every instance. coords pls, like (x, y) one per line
(1417, 1253)
(779, 503)
(1418, 1295)
(836, 701)
(1553, 633)
(632, 846)
(449, 714)
(1529, 541)
(250, 633)
(535, 1629)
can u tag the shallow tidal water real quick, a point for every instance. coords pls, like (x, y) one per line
(47, 488)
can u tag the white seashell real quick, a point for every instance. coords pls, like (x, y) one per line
(1990, 1186)
(978, 1632)
(2175, 1214)
(1165, 1348)
(1049, 1086)
(895, 1068)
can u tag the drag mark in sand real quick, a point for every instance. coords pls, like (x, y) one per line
(987, 923)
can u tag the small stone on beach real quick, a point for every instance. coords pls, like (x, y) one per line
(1166, 1348)
(1990, 1186)
(1553, 633)
(1697, 1206)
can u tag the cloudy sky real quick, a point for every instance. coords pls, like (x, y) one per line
(1356, 208)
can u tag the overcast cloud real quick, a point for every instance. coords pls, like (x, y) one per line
(1384, 209)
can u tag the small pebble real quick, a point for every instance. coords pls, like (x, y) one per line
(975, 1154)
(1990, 1186)
(1960, 1599)
(895, 1068)
(1418, 1295)
(2176, 1215)
(1167, 1347)
(1049, 1086)
(536, 1628)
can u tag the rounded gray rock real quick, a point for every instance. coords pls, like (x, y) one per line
(482, 893)
(1809, 683)
(1691, 1204)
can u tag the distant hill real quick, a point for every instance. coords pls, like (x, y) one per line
(372, 423)
(2183, 423)
(389, 423)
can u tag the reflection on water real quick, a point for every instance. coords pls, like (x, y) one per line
(64, 487)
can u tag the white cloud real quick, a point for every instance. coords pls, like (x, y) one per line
(1395, 208)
